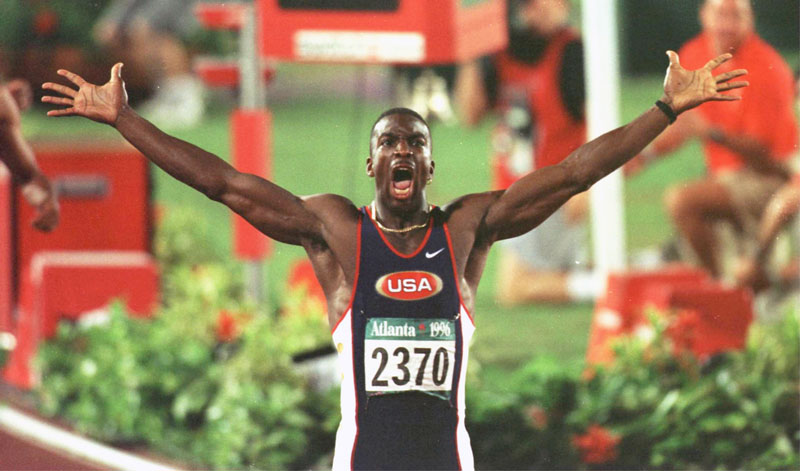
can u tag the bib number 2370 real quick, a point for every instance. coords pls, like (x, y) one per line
(402, 354)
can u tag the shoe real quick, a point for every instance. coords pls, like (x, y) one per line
(178, 103)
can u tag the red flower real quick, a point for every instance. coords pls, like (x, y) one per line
(227, 326)
(597, 446)
(682, 330)
(537, 416)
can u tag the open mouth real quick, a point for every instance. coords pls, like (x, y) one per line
(402, 182)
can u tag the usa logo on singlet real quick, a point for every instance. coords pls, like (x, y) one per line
(409, 285)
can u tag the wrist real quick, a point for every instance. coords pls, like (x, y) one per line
(667, 109)
(124, 113)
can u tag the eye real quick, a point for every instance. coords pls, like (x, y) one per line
(387, 141)
(418, 143)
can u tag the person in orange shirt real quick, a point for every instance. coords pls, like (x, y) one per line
(536, 87)
(17, 155)
(747, 151)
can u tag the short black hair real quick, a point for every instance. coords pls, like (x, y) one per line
(399, 110)
(396, 110)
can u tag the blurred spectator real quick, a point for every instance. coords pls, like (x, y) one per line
(149, 36)
(426, 90)
(17, 155)
(747, 150)
(537, 88)
(753, 270)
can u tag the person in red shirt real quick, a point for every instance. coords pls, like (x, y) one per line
(537, 88)
(747, 150)
(17, 155)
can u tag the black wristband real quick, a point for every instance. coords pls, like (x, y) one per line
(665, 108)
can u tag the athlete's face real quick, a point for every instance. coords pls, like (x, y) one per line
(400, 159)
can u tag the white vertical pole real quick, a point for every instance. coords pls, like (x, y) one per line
(601, 61)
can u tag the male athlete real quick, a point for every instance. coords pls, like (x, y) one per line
(399, 275)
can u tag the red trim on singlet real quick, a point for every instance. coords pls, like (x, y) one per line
(353, 340)
(461, 302)
(455, 272)
(355, 278)
(355, 386)
(389, 244)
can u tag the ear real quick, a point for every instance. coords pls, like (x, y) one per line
(370, 170)
(430, 170)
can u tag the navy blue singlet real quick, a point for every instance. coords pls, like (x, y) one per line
(403, 347)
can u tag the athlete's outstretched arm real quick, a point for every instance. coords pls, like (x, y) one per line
(273, 210)
(533, 198)
(17, 154)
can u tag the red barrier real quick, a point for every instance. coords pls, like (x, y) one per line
(250, 132)
(104, 194)
(67, 285)
(719, 320)
(389, 31)
(220, 15)
(219, 73)
(6, 252)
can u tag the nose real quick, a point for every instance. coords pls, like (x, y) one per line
(401, 148)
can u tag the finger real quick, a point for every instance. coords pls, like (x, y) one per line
(57, 100)
(673, 58)
(116, 72)
(729, 75)
(62, 89)
(715, 62)
(731, 85)
(63, 112)
(719, 97)
(74, 78)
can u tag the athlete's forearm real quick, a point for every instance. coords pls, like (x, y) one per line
(533, 198)
(601, 156)
(186, 162)
(273, 210)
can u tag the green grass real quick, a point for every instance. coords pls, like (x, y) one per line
(321, 146)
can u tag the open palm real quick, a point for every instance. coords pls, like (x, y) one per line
(98, 103)
(684, 89)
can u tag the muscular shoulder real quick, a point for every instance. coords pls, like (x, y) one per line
(328, 203)
(468, 213)
(335, 211)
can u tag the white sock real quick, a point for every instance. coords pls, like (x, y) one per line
(584, 285)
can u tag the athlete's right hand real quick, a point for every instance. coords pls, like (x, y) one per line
(98, 103)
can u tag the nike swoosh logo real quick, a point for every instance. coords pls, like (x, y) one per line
(431, 255)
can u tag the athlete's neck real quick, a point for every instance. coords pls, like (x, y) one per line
(400, 218)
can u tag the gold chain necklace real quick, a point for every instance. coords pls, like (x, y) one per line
(399, 231)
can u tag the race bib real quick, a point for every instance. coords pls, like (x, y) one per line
(403, 354)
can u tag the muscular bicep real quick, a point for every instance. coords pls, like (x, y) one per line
(271, 209)
(529, 201)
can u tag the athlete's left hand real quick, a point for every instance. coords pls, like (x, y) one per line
(685, 89)
(101, 103)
